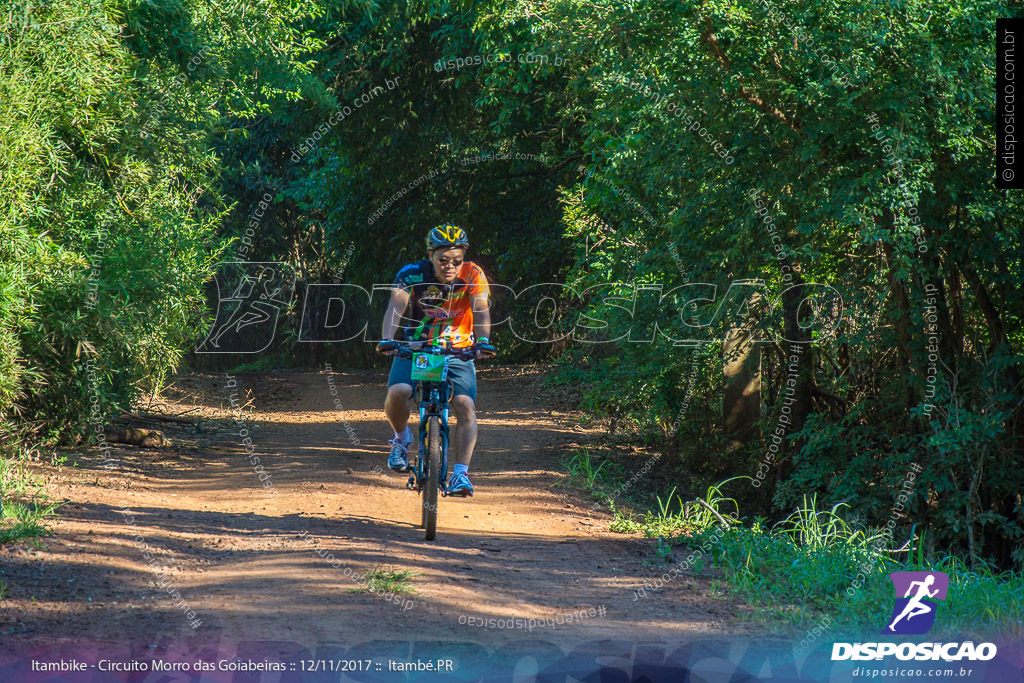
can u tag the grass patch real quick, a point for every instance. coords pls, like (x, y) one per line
(387, 580)
(686, 519)
(24, 507)
(798, 571)
(267, 363)
(586, 474)
(582, 470)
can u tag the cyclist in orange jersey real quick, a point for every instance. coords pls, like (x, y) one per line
(439, 298)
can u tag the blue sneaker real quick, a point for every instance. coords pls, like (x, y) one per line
(399, 458)
(459, 485)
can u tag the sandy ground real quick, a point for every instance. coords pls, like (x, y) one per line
(522, 548)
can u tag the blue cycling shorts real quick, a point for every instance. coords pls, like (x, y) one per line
(461, 372)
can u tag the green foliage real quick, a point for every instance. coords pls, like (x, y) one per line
(793, 586)
(263, 363)
(692, 517)
(581, 468)
(109, 227)
(815, 565)
(24, 507)
(894, 206)
(810, 529)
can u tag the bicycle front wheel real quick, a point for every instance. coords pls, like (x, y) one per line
(433, 475)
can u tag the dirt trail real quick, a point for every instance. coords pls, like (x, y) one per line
(520, 549)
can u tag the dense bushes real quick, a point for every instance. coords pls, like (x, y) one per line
(878, 175)
(110, 216)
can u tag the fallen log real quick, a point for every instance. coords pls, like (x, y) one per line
(136, 436)
(159, 417)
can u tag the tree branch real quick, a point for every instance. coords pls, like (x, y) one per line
(720, 56)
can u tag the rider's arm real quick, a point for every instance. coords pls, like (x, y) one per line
(393, 315)
(481, 317)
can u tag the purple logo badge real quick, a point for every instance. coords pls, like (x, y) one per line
(916, 593)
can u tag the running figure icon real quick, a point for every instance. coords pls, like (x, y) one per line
(914, 612)
(915, 607)
(250, 299)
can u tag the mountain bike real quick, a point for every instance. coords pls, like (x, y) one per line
(432, 392)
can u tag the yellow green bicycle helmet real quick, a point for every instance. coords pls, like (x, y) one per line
(447, 235)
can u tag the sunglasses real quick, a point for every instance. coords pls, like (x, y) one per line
(444, 261)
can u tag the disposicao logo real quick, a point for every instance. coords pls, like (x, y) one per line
(914, 614)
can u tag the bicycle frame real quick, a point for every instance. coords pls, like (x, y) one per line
(432, 398)
(433, 389)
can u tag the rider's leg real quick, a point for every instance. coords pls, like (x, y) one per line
(396, 406)
(463, 404)
(918, 610)
(910, 611)
(900, 616)
(465, 430)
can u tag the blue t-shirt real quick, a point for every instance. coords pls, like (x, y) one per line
(441, 311)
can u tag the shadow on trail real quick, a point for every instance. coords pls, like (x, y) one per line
(186, 538)
(245, 560)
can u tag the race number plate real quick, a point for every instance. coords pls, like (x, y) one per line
(428, 367)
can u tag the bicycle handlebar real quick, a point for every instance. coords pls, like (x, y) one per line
(406, 349)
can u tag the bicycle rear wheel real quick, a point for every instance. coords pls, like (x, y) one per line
(433, 474)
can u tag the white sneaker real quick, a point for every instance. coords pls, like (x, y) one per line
(399, 458)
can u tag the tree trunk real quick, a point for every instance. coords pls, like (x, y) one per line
(741, 405)
(798, 344)
(901, 322)
(741, 360)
